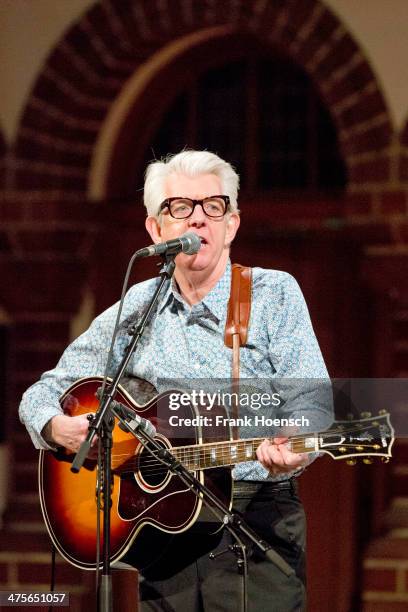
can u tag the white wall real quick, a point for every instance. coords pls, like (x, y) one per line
(29, 29)
(381, 29)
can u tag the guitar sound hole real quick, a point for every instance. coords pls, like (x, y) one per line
(152, 472)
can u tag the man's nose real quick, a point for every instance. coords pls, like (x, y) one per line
(198, 217)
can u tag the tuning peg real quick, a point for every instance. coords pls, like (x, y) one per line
(366, 415)
(367, 460)
(385, 459)
(382, 412)
(351, 461)
(360, 448)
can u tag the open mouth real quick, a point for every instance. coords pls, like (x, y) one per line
(204, 242)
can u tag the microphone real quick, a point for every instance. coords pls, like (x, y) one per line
(133, 420)
(188, 243)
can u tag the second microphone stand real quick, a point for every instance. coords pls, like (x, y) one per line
(235, 524)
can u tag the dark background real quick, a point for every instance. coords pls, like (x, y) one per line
(295, 106)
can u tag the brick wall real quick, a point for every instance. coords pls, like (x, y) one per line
(51, 234)
(386, 557)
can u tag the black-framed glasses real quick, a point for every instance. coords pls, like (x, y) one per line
(181, 208)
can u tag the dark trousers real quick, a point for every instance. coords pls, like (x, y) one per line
(277, 515)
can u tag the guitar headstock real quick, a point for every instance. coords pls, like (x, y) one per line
(368, 437)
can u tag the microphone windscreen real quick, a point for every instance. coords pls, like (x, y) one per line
(191, 243)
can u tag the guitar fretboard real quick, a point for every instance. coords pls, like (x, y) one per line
(217, 454)
(372, 436)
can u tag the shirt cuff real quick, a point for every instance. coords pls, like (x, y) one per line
(35, 429)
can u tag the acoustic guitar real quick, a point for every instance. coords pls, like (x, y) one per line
(146, 498)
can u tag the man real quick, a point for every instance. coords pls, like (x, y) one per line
(197, 191)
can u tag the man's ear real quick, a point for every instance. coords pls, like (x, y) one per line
(153, 227)
(233, 222)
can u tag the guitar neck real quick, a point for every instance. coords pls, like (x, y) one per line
(217, 454)
(371, 436)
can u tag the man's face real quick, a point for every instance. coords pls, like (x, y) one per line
(217, 234)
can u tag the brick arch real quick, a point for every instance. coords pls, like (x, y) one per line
(115, 158)
(90, 65)
(314, 37)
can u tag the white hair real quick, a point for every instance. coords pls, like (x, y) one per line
(191, 164)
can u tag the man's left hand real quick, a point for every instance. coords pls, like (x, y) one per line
(276, 457)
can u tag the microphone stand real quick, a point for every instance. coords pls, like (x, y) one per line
(231, 521)
(103, 424)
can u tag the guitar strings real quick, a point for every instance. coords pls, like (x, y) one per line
(224, 449)
(156, 467)
(199, 454)
(295, 441)
(203, 453)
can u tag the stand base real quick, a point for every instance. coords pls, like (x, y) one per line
(105, 593)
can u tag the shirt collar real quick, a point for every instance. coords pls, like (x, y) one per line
(215, 301)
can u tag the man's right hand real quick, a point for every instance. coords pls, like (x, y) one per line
(70, 432)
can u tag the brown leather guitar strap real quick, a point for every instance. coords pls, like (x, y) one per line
(236, 327)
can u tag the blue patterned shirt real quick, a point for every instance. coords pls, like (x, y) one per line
(183, 341)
